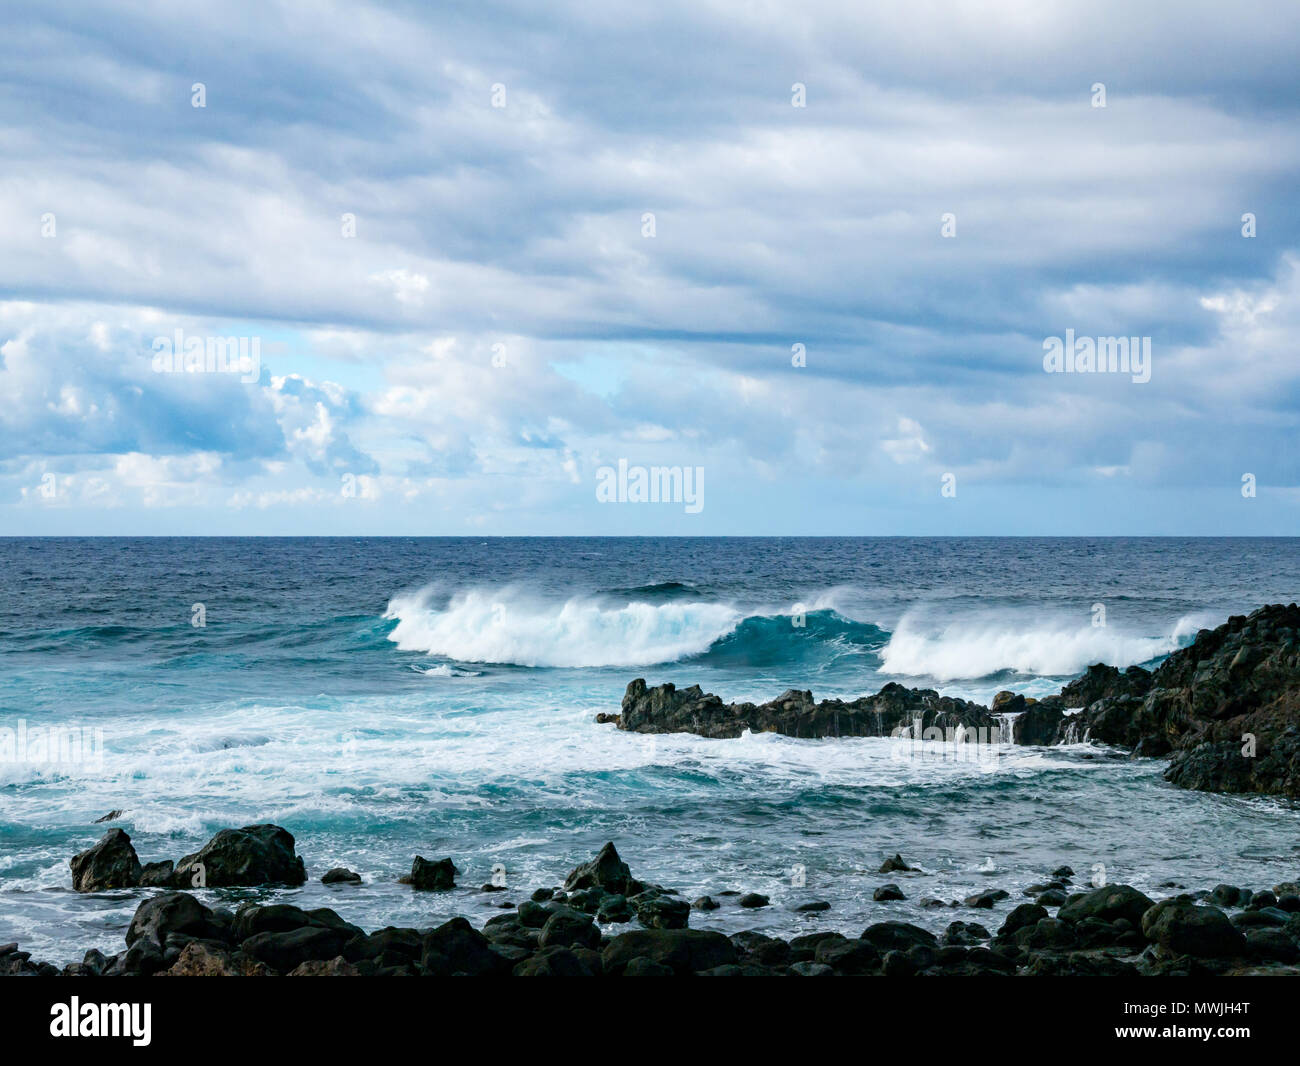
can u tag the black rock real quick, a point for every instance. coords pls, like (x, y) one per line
(666, 709)
(532, 915)
(568, 928)
(253, 855)
(1271, 945)
(965, 934)
(587, 900)
(985, 900)
(761, 949)
(661, 912)
(390, 946)
(897, 863)
(1229, 895)
(898, 964)
(753, 900)
(643, 967)
(1021, 916)
(682, 951)
(456, 947)
(427, 876)
(554, 962)
(110, 863)
(1046, 934)
(1108, 903)
(170, 912)
(854, 957)
(705, 903)
(897, 936)
(340, 875)
(1189, 929)
(285, 951)
(887, 893)
(158, 874)
(605, 871)
(614, 908)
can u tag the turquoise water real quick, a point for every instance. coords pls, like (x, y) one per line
(383, 697)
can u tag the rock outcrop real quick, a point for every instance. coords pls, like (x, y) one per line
(1225, 710)
(666, 709)
(110, 863)
(253, 855)
(248, 857)
(581, 931)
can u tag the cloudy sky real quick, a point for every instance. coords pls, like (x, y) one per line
(487, 251)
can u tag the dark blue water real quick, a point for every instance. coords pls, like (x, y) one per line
(382, 697)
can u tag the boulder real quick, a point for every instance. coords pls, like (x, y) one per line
(985, 900)
(568, 928)
(681, 951)
(171, 912)
(1271, 944)
(340, 875)
(1021, 916)
(1187, 928)
(158, 874)
(897, 936)
(614, 908)
(253, 855)
(456, 947)
(661, 912)
(286, 951)
(852, 957)
(605, 871)
(390, 946)
(430, 876)
(1108, 903)
(109, 863)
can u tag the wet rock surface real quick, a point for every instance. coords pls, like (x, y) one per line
(592, 928)
(1225, 710)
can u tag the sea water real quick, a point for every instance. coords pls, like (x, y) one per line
(387, 697)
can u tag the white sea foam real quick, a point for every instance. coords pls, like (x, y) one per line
(508, 626)
(973, 649)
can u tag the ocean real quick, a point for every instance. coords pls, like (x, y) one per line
(387, 697)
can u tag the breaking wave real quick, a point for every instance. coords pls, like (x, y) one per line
(975, 649)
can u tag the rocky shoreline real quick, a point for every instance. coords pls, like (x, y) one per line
(1225, 710)
(602, 921)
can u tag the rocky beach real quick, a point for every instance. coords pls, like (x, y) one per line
(1222, 712)
(602, 921)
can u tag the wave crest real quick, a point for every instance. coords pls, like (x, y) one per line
(969, 650)
(506, 627)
